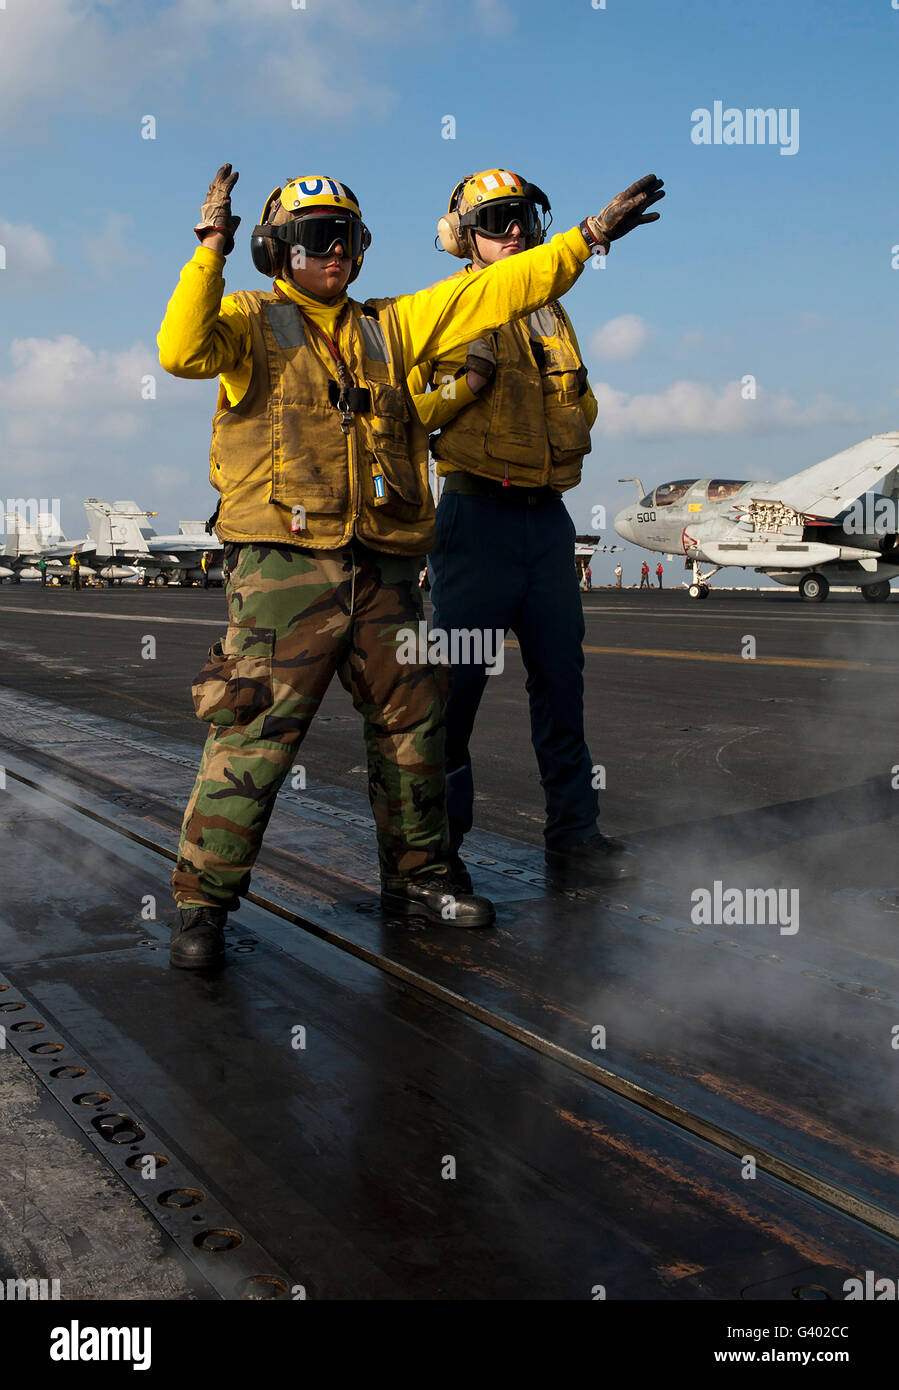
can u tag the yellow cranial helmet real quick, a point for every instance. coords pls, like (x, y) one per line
(291, 215)
(487, 186)
(313, 191)
(490, 203)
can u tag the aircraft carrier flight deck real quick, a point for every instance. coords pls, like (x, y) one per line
(361, 1109)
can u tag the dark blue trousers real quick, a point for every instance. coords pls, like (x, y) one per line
(501, 565)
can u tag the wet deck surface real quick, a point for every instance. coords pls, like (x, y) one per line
(562, 1103)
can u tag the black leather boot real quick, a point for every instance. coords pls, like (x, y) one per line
(438, 899)
(459, 874)
(600, 859)
(198, 938)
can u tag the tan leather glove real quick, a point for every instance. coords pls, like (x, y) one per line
(625, 212)
(480, 364)
(215, 215)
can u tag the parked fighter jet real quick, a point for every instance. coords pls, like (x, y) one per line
(119, 545)
(119, 532)
(26, 541)
(800, 531)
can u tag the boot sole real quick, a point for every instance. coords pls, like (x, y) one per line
(570, 879)
(401, 907)
(192, 962)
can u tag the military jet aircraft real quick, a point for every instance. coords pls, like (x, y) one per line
(810, 530)
(119, 545)
(119, 533)
(28, 537)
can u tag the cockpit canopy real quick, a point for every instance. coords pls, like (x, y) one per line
(668, 493)
(724, 487)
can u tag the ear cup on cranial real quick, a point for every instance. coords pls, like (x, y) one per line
(262, 251)
(449, 234)
(264, 255)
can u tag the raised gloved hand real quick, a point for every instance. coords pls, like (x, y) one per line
(625, 212)
(216, 215)
(480, 364)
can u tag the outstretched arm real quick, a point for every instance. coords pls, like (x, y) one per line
(452, 313)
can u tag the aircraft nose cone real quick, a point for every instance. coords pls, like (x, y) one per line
(624, 524)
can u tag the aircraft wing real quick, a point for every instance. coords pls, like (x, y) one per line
(183, 545)
(827, 488)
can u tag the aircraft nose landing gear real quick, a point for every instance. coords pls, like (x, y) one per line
(700, 587)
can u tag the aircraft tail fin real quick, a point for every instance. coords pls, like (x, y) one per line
(828, 487)
(28, 534)
(117, 527)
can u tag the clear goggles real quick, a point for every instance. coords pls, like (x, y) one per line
(319, 233)
(495, 219)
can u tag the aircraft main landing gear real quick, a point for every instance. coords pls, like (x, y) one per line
(876, 593)
(814, 588)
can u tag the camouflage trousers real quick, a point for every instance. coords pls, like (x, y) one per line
(295, 618)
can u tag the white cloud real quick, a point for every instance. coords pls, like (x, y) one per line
(690, 407)
(64, 375)
(62, 395)
(30, 259)
(621, 338)
(64, 53)
(73, 424)
(107, 55)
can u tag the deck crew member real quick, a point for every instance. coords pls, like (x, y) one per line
(514, 410)
(325, 509)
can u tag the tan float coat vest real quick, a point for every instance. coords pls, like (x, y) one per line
(286, 471)
(527, 425)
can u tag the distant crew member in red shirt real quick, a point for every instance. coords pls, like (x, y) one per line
(659, 573)
(644, 576)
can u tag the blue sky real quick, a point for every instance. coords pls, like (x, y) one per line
(770, 265)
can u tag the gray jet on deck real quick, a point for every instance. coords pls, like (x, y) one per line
(801, 531)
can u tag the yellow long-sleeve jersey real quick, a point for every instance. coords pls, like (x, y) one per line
(205, 335)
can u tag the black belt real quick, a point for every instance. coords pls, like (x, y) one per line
(475, 486)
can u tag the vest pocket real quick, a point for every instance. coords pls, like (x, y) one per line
(321, 499)
(566, 430)
(310, 462)
(516, 432)
(390, 444)
(323, 490)
(232, 690)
